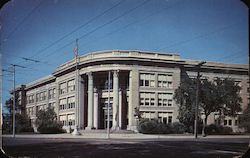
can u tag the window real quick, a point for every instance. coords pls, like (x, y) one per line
(30, 99)
(225, 122)
(165, 117)
(147, 99)
(62, 88)
(236, 123)
(147, 80)
(52, 93)
(165, 99)
(165, 80)
(150, 115)
(71, 119)
(71, 102)
(52, 105)
(37, 97)
(230, 122)
(62, 104)
(71, 85)
(63, 120)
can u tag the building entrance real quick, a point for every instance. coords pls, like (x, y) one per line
(104, 113)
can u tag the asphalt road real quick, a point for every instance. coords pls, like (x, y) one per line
(115, 148)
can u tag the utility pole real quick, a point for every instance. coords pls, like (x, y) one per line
(77, 106)
(197, 98)
(14, 98)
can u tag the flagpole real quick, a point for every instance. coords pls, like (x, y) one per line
(76, 132)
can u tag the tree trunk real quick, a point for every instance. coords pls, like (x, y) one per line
(204, 126)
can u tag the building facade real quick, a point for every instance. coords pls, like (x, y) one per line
(78, 89)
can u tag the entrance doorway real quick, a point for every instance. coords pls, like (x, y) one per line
(104, 113)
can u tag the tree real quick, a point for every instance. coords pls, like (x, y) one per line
(210, 99)
(22, 120)
(244, 119)
(185, 96)
(47, 123)
(215, 96)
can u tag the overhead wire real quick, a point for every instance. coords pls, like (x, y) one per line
(24, 19)
(199, 36)
(101, 26)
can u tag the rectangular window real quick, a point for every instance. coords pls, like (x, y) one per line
(225, 122)
(147, 99)
(71, 119)
(165, 99)
(147, 80)
(71, 85)
(150, 115)
(165, 80)
(62, 88)
(62, 104)
(63, 120)
(71, 102)
(52, 93)
(236, 123)
(230, 122)
(170, 119)
(165, 117)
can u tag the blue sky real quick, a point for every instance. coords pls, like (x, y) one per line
(45, 30)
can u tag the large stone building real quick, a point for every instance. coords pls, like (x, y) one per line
(79, 92)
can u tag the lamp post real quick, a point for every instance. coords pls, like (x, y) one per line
(197, 98)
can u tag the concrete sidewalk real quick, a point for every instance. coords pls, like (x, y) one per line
(124, 136)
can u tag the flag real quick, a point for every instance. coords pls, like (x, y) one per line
(76, 51)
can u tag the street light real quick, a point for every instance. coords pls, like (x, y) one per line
(197, 97)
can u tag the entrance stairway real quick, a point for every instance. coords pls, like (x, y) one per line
(105, 131)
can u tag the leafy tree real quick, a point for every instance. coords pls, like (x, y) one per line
(47, 123)
(244, 120)
(219, 95)
(22, 120)
(185, 97)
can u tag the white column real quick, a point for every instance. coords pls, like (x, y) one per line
(120, 109)
(95, 108)
(130, 106)
(115, 99)
(90, 101)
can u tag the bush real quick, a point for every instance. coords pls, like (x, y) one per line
(217, 129)
(147, 126)
(46, 122)
(178, 128)
(52, 128)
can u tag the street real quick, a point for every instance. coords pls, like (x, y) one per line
(121, 148)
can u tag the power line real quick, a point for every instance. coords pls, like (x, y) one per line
(101, 26)
(129, 24)
(199, 36)
(24, 19)
(78, 28)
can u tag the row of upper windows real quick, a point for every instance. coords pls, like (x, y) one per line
(67, 87)
(149, 79)
(148, 99)
(67, 103)
(41, 96)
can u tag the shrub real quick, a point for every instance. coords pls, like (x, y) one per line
(52, 128)
(147, 126)
(217, 129)
(178, 128)
(46, 122)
